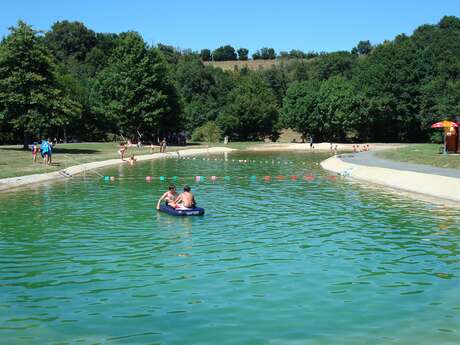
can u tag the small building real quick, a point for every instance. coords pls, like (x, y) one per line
(453, 136)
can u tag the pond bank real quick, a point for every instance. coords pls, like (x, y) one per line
(438, 183)
(20, 181)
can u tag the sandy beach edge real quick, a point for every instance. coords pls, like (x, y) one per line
(440, 188)
(10, 183)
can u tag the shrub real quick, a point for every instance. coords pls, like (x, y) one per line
(209, 133)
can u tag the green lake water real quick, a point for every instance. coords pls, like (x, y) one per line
(322, 261)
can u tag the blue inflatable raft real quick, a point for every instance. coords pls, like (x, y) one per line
(196, 211)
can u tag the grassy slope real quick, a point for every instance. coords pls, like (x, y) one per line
(427, 154)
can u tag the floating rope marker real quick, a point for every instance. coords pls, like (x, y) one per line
(197, 178)
(106, 178)
(226, 178)
(267, 178)
(280, 177)
(253, 178)
(112, 178)
(309, 177)
(162, 178)
(213, 178)
(148, 178)
(333, 177)
(294, 178)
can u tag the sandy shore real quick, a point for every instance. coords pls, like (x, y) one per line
(16, 182)
(442, 188)
(319, 146)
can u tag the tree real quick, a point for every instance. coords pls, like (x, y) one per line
(300, 111)
(243, 54)
(363, 47)
(171, 54)
(209, 133)
(341, 109)
(30, 98)
(203, 90)
(205, 55)
(224, 53)
(135, 90)
(264, 54)
(70, 40)
(277, 79)
(251, 112)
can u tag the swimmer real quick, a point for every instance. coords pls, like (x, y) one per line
(186, 199)
(132, 160)
(170, 197)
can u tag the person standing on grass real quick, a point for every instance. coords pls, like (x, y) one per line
(122, 151)
(35, 150)
(45, 150)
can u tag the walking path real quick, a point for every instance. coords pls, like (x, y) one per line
(15, 182)
(439, 183)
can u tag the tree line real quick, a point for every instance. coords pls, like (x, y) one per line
(71, 82)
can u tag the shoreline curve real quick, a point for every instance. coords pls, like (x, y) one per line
(10, 183)
(437, 187)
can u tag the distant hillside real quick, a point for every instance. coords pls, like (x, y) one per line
(250, 64)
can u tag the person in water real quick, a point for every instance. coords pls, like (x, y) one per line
(131, 160)
(186, 199)
(169, 197)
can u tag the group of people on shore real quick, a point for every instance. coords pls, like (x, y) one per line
(364, 147)
(172, 199)
(131, 160)
(45, 148)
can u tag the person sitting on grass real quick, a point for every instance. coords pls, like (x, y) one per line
(186, 199)
(169, 197)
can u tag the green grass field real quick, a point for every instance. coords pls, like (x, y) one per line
(427, 154)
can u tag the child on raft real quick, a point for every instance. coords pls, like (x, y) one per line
(186, 198)
(169, 197)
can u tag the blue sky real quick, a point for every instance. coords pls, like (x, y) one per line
(282, 24)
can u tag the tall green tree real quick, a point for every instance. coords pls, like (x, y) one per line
(70, 40)
(243, 54)
(251, 112)
(135, 91)
(203, 90)
(205, 55)
(30, 97)
(224, 53)
(300, 109)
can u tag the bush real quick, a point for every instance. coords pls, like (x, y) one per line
(209, 133)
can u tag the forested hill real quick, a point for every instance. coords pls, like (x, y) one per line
(73, 82)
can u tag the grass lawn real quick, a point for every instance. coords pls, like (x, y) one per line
(427, 154)
(14, 161)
